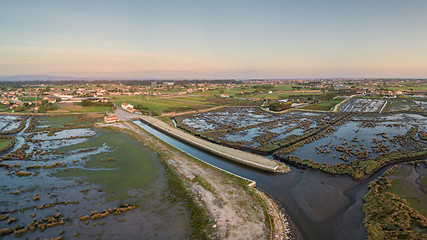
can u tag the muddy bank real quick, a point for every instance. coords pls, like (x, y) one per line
(235, 208)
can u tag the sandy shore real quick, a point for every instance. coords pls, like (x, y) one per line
(236, 210)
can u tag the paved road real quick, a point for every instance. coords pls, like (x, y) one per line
(239, 156)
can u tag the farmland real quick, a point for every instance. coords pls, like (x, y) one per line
(324, 106)
(62, 176)
(78, 108)
(161, 105)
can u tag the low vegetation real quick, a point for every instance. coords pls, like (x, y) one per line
(200, 222)
(388, 217)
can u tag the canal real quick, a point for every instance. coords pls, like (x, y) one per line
(321, 205)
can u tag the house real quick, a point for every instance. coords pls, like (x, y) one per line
(111, 119)
(124, 105)
(65, 97)
(4, 101)
(50, 99)
(128, 107)
(12, 98)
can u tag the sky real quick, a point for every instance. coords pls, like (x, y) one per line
(214, 39)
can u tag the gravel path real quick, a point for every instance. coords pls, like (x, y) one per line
(236, 213)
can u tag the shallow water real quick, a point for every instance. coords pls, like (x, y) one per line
(321, 205)
(94, 174)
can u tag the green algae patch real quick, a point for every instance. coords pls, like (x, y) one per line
(134, 167)
(388, 216)
(406, 184)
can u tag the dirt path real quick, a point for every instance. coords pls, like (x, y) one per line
(237, 210)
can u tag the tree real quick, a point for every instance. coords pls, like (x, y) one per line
(278, 106)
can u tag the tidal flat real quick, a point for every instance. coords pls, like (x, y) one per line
(85, 182)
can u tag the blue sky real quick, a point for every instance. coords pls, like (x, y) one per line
(214, 39)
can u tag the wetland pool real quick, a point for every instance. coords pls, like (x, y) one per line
(99, 170)
(322, 206)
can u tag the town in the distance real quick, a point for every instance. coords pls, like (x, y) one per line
(214, 159)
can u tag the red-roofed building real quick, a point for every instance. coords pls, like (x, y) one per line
(130, 109)
(124, 105)
(111, 119)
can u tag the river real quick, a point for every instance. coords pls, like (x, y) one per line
(321, 205)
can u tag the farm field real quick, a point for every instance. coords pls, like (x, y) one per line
(64, 178)
(407, 104)
(30, 98)
(73, 107)
(163, 105)
(324, 106)
(408, 87)
(179, 104)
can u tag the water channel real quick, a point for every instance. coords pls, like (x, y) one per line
(321, 206)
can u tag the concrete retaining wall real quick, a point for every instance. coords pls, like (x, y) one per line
(208, 149)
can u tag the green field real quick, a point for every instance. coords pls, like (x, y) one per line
(324, 106)
(408, 87)
(63, 120)
(75, 107)
(30, 98)
(162, 105)
(403, 188)
(134, 167)
(179, 104)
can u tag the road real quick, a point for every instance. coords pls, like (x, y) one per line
(236, 155)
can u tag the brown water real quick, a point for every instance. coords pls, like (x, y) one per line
(322, 206)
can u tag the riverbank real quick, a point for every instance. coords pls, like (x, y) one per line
(242, 157)
(238, 211)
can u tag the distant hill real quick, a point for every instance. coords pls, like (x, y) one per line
(36, 78)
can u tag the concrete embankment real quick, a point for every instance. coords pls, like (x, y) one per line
(337, 107)
(235, 155)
